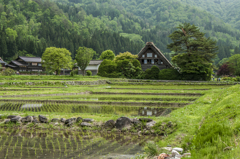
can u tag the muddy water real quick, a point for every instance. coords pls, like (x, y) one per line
(65, 145)
(98, 109)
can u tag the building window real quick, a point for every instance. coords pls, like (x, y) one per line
(34, 64)
(149, 54)
(152, 61)
(143, 56)
(39, 64)
(156, 56)
(145, 61)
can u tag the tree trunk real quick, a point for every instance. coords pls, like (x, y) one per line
(83, 72)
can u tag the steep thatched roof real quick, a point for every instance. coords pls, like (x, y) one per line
(150, 45)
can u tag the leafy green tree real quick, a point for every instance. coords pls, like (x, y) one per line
(108, 54)
(125, 55)
(8, 72)
(83, 57)
(55, 59)
(234, 64)
(169, 74)
(193, 52)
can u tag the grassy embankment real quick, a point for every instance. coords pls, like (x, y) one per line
(209, 127)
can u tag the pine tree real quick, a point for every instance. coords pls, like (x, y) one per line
(193, 52)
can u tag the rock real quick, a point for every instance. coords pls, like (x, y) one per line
(34, 117)
(178, 149)
(69, 122)
(155, 157)
(85, 124)
(110, 124)
(136, 122)
(175, 153)
(123, 122)
(16, 119)
(55, 120)
(186, 155)
(139, 133)
(167, 148)
(74, 119)
(11, 116)
(145, 119)
(7, 121)
(63, 120)
(42, 119)
(35, 121)
(88, 120)
(56, 124)
(163, 156)
(79, 119)
(27, 119)
(150, 124)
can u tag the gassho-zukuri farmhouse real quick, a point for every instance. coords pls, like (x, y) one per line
(150, 55)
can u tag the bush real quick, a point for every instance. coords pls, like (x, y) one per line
(152, 73)
(89, 73)
(74, 72)
(8, 72)
(169, 74)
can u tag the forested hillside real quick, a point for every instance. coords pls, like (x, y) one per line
(29, 26)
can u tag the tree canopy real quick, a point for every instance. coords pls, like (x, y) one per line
(55, 59)
(194, 53)
(83, 57)
(108, 54)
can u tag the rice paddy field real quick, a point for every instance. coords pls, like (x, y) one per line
(155, 100)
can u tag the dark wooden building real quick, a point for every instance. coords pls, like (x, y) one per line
(150, 55)
(23, 64)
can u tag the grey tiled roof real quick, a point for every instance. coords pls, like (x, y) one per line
(95, 62)
(2, 62)
(10, 66)
(17, 63)
(31, 59)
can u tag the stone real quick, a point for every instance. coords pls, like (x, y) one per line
(55, 120)
(163, 156)
(63, 120)
(175, 153)
(88, 120)
(27, 119)
(178, 149)
(85, 124)
(74, 119)
(79, 119)
(167, 148)
(145, 119)
(16, 119)
(35, 117)
(11, 116)
(7, 121)
(35, 121)
(110, 124)
(136, 122)
(186, 155)
(123, 122)
(69, 122)
(42, 119)
(139, 133)
(150, 124)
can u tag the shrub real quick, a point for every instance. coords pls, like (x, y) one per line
(8, 72)
(152, 73)
(169, 74)
(74, 72)
(89, 73)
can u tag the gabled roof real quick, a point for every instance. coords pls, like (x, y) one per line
(95, 62)
(154, 48)
(17, 63)
(30, 59)
(10, 66)
(2, 62)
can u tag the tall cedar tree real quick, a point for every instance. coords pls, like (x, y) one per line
(83, 57)
(193, 52)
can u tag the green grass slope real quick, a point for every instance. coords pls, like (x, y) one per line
(210, 127)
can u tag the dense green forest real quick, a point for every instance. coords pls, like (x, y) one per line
(29, 26)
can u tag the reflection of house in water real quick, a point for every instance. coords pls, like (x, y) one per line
(154, 111)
